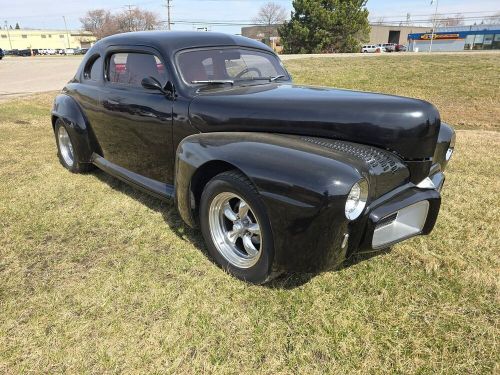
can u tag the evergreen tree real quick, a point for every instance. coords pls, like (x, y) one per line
(325, 26)
(17, 26)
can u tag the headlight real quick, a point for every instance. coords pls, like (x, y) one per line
(356, 201)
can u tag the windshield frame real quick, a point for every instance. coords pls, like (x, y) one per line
(286, 78)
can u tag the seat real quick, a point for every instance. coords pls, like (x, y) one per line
(140, 66)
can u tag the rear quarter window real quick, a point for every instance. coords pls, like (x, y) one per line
(93, 69)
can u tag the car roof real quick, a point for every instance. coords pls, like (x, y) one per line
(172, 41)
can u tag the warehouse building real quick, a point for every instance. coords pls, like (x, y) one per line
(458, 38)
(20, 39)
(394, 34)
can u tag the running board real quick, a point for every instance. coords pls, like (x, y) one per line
(148, 185)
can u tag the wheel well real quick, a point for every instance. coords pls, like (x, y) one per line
(201, 177)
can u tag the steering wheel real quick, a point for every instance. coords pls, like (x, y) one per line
(248, 70)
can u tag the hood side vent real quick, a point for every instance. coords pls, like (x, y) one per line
(375, 158)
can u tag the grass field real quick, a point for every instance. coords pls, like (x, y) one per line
(98, 278)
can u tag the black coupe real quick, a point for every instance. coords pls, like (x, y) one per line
(279, 177)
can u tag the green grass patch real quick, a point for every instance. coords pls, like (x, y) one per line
(96, 277)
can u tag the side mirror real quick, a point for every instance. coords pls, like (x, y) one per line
(151, 83)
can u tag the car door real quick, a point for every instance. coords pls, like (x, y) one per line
(135, 130)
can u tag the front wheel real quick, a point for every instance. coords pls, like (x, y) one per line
(236, 227)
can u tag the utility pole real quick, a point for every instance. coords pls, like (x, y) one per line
(169, 22)
(129, 6)
(8, 34)
(67, 35)
(433, 24)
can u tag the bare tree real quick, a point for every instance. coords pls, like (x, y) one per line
(102, 23)
(457, 20)
(137, 20)
(99, 22)
(493, 20)
(270, 15)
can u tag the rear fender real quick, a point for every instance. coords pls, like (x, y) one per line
(69, 111)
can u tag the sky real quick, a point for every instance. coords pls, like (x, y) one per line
(191, 14)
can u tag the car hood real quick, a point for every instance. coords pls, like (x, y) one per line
(409, 127)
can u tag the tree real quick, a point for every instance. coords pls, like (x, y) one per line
(270, 15)
(99, 22)
(322, 26)
(493, 20)
(17, 26)
(103, 23)
(137, 20)
(457, 20)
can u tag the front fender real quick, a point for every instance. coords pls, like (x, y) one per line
(67, 109)
(303, 185)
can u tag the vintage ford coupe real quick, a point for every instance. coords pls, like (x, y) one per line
(279, 177)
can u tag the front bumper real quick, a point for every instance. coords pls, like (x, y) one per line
(403, 213)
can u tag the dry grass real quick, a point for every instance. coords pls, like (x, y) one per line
(98, 278)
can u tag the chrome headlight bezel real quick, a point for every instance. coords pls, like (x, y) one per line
(356, 200)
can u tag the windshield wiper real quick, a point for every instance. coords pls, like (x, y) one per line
(272, 79)
(214, 82)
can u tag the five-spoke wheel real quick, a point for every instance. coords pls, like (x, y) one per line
(235, 230)
(236, 227)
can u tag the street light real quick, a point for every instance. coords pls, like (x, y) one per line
(433, 23)
(8, 34)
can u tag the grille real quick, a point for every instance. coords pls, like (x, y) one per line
(373, 157)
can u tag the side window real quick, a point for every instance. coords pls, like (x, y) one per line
(131, 68)
(93, 69)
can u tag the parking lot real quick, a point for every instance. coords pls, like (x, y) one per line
(26, 75)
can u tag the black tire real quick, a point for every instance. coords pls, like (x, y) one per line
(76, 166)
(236, 183)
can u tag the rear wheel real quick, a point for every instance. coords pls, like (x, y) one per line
(67, 154)
(236, 227)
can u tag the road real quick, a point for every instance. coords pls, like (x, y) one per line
(21, 76)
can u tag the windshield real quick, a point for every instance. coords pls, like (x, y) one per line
(234, 64)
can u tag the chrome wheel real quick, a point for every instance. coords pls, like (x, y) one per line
(235, 230)
(65, 146)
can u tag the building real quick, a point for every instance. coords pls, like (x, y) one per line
(394, 34)
(20, 39)
(458, 38)
(265, 34)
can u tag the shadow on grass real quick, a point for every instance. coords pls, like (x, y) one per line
(294, 280)
(193, 236)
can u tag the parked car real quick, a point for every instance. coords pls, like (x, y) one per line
(2, 54)
(81, 51)
(386, 47)
(279, 177)
(68, 51)
(401, 48)
(370, 48)
(23, 52)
